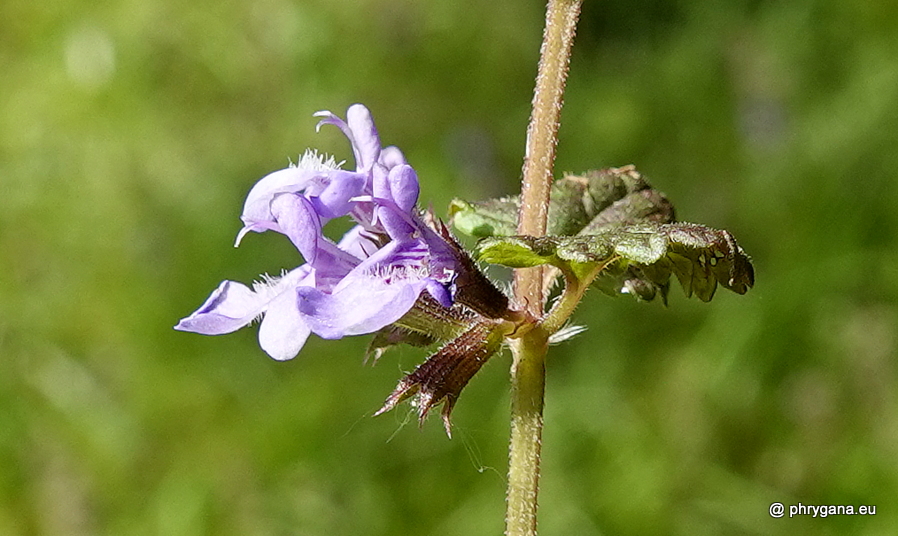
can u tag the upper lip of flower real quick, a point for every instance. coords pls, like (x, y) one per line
(360, 130)
(333, 192)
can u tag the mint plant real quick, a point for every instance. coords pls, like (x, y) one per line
(401, 275)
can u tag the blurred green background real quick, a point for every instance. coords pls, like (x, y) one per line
(131, 131)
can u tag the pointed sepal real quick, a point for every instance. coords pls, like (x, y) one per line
(472, 288)
(394, 335)
(441, 378)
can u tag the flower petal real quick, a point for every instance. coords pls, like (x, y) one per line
(365, 306)
(397, 261)
(444, 265)
(440, 293)
(360, 130)
(372, 295)
(230, 307)
(333, 200)
(257, 215)
(366, 142)
(404, 187)
(358, 242)
(283, 331)
(399, 186)
(391, 157)
(297, 218)
(397, 224)
(331, 265)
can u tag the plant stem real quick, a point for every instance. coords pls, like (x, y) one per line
(528, 385)
(574, 288)
(528, 373)
(542, 137)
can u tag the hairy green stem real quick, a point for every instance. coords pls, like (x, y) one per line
(542, 137)
(574, 289)
(529, 376)
(528, 372)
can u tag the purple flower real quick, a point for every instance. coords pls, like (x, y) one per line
(322, 191)
(368, 280)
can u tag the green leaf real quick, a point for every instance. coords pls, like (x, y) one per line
(582, 204)
(638, 259)
(613, 219)
(517, 251)
(496, 217)
(567, 210)
(700, 257)
(605, 186)
(640, 243)
(635, 207)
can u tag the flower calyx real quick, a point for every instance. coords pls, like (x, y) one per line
(441, 378)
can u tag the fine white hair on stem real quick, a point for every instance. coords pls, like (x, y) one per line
(566, 333)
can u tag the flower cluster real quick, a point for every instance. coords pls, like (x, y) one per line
(368, 280)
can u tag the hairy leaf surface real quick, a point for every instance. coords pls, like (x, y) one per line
(638, 258)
